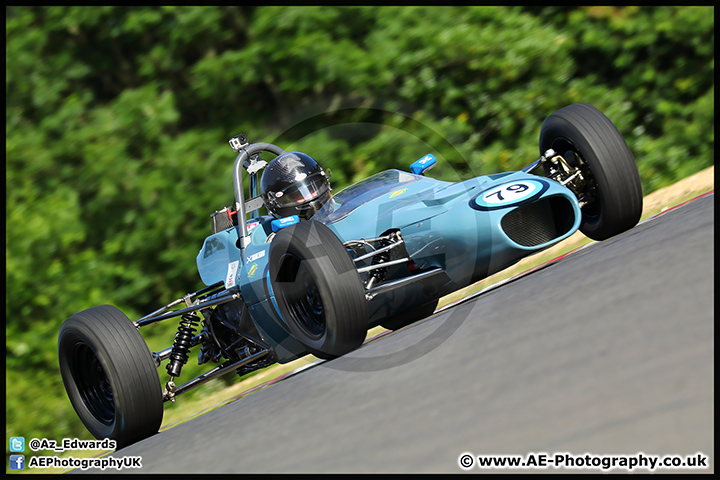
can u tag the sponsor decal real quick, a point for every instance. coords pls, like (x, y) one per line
(255, 256)
(232, 271)
(398, 192)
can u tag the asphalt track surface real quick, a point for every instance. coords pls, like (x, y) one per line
(608, 351)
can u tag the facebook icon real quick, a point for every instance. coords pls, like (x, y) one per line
(17, 462)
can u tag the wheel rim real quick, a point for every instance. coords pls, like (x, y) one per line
(305, 303)
(92, 383)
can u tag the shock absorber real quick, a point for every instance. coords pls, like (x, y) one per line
(182, 344)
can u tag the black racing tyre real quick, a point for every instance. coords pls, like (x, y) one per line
(411, 316)
(110, 376)
(614, 189)
(318, 289)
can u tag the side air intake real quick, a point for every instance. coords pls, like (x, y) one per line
(539, 222)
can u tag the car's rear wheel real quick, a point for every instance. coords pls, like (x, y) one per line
(590, 142)
(110, 376)
(318, 290)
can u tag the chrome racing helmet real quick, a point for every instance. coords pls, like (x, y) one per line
(294, 184)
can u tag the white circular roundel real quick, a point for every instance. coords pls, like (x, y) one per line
(509, 194)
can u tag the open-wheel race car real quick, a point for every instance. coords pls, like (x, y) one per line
(313, 280)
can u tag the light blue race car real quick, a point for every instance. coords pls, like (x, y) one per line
(319, 271)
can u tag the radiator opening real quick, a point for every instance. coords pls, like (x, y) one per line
(539, 222)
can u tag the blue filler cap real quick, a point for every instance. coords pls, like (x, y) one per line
(284, 222)
(424, 164)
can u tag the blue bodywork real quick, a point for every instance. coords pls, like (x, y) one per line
(469, 230)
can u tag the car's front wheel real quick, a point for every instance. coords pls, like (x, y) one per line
(611, 188)
(110, 376)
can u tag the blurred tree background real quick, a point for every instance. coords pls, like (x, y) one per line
(117, 121)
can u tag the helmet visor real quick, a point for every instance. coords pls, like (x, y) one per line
(302, 191)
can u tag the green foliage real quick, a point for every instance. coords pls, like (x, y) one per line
(117, 120)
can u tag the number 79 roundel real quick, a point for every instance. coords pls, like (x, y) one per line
(509, 194)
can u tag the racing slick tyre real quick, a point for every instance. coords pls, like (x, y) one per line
(318, 289)
(110, 376)
(411, 316)
(612, 182)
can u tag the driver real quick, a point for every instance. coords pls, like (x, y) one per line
(294, 184)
